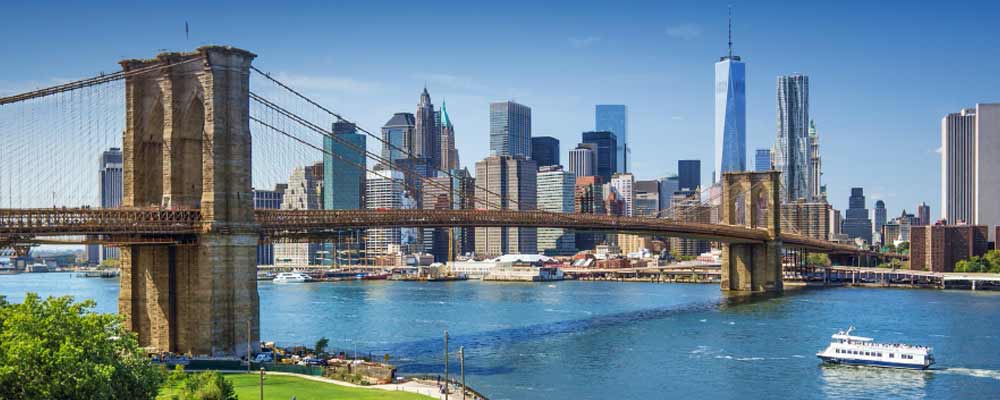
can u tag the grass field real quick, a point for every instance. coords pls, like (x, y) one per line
(283, 387)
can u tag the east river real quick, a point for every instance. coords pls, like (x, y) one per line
(607, 340)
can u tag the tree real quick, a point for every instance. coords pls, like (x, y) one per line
(903, 248)
(207, 385)
(321, 345)
(59, 349)
(992, 259)
(109, 263)
(818, 259)
(889, 248)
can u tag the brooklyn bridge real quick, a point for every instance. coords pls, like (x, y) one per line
(194, 135)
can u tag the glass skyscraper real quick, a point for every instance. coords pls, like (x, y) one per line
(343, 176)
(730, 115)
(614, 118)
(604, 145)
(510, 129)
(762, 160)
(791, 153)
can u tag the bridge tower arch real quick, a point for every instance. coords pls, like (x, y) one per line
(751, 199)
(187, 145)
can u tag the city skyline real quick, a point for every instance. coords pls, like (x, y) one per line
(673, 102)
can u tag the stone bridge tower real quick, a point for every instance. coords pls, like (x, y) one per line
(752, 199)
(187, 146)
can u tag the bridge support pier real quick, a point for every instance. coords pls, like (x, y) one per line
(187, 146)
(751, 199)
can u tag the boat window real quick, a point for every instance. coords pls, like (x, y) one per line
(892, 355)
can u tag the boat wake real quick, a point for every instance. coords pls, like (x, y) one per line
(978, 373)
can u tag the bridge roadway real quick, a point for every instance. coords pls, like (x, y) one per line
(25, 226)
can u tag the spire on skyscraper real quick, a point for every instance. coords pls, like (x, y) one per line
(730, 31)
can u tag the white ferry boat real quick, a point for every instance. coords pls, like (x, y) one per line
(858, 350)
(291, 277)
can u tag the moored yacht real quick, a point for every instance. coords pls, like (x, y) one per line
(859, 350)
(292, 277)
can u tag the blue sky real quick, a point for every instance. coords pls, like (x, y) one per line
(882, 74)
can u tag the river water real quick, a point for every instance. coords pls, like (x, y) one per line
(607, 340)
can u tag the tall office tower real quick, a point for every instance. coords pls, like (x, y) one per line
(343, 175)
(816, 188)
(556, 191)
(881, 216)
(112, 186)
(623, 184)
(604, 144)
(304, 192)
(646, 201)
(791, 155)
(510, 130)
(384, 191)
(268, 200)
(730, 113)
(987, 167)
(689, 173)
(923, 214)
(614, 118)
(397, 138)
(588, 198)
(762, 160)
(426, 138)
(835, 222)
(582, 160)
(508, 183)
(455, 192)
(691, 210)
(545, 151)
(449, 154)
(856, 223)
(668, 186)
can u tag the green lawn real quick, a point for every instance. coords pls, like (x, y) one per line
(283, 387)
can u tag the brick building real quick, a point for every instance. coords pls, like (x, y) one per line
(938, 247)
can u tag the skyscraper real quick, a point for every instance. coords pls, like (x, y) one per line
(263, 200)
(730, 113)
(923, 214)
(510, 129)
(384, 190)
(582, 160)
(304, 192)
(987, 177)
(343, 172)
(614, 118)
(556, 189)
(881, 216)
(449, 154)
(668, 186)
(689, 174)
(816, 188)
(426, 138)
(398, 132)
(791, 155)
(545, 150)
(508, 183)
(970, 166)
(623, 184)
(112, 187)
(604, 152)
(647, 198)
(588, 199)
(436, 196)
(762, 160)
(857, 223)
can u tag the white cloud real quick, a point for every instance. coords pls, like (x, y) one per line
(677, 118)
(686, 31)
(582, 42)
(938, 150)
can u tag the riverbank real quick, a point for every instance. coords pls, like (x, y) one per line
(282, 385)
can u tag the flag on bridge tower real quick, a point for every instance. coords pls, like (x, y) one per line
(187, 32)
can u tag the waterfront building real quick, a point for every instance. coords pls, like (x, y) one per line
(112, 187)
(881, 216)
(455, 192)
(958, 133)
(810, 219)
(623, 184)
(938, 247)
(448, 153)
(668, 186)
(791, 155)
(545, 150)
(689, 173)
(384, 191)
(508, 183)
(646, 201)
(397, 138)
(588, 198)
(923, 214)
(604, 144)
(510, 130)
(692, 211)
(730, 113)
(304, 192)
(268, 200)
(343, 175)
(762, 160)
(816, 188)
(987, 166)
(426, 138)
(857, 223)
(556, 193)
(582, 160)
(614, 118)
